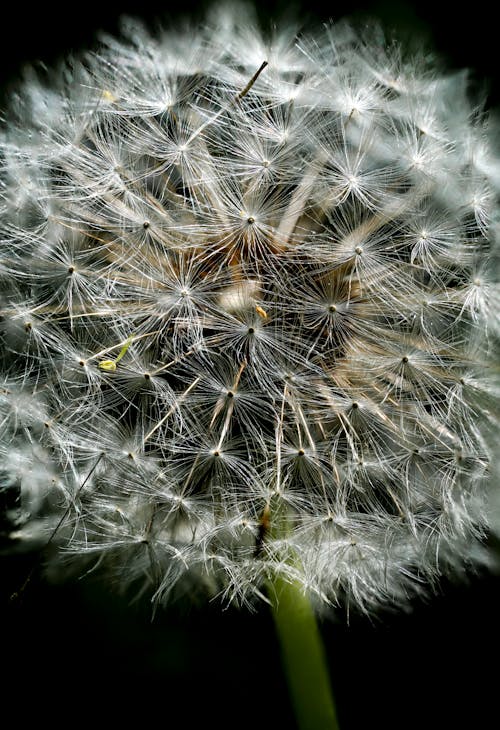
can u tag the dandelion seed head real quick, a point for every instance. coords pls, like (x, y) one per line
(249, 297)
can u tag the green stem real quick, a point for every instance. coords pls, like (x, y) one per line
(303, 657)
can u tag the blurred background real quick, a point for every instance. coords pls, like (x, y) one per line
(77, 653)
(464, 36)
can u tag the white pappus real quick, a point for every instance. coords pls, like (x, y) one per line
(250, 312)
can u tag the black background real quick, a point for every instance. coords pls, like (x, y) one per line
(464, 36)
(77, 653)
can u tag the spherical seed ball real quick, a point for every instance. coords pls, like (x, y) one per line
(250, 312)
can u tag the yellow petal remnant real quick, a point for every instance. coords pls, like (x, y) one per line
(109, 365)
(108, 96)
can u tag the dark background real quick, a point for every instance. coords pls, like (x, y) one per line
(76, 653)
(465, 36)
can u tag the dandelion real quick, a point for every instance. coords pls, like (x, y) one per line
(250, 314)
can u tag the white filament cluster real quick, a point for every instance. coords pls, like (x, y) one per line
(249, 314)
